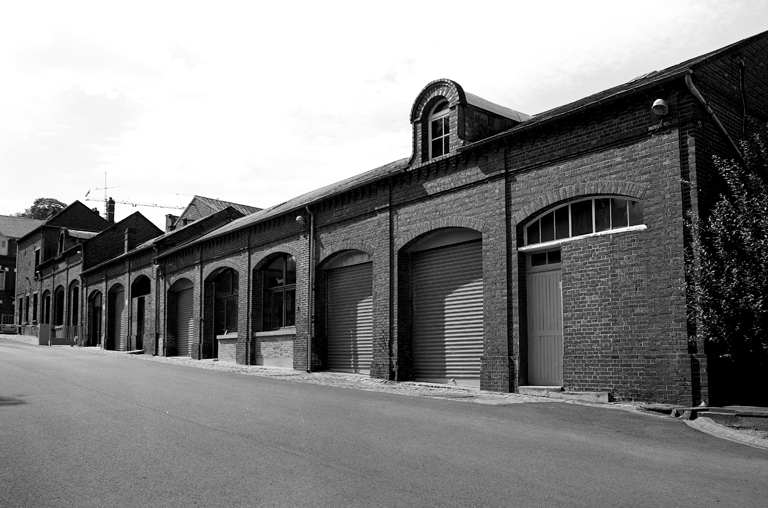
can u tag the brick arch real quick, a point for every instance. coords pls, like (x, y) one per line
(266, 255)
(444, 88)
(212, 270)
(579, 190)
(325, 253)
(441, 223)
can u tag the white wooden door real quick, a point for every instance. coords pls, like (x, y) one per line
(545, 328)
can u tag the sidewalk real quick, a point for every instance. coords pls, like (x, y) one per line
(410, 388)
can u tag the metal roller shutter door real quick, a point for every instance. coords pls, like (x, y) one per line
(448, 312)
(350, 318)
(183, 321)
(119, 311)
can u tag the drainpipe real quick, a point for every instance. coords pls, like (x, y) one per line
(711, 114)
(311, 285)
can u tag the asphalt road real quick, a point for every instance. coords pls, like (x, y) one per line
(80, 429)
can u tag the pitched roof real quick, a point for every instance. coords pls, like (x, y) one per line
(647, 80)
(300, 202)
(16, 227)
(201, 206)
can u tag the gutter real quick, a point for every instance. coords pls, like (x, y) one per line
(711, 114)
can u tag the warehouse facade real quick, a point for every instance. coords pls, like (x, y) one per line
(506, 251)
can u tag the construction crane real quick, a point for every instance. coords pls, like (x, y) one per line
(123, 202)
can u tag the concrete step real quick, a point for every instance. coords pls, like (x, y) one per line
(557, 392)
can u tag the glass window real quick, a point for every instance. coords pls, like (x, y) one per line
(584, 217)
(280, 293)
(602, 214)
(439, 130)
(562, 223)
(226, 288)
(548, 227)
(581, 218)
(619, 217)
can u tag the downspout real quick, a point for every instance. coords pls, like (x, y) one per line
(201, 326)
(310, 286)
(711, 114)
(248, 314)
(158, 295)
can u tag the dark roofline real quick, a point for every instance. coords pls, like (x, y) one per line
(158, 240)
(49, 219)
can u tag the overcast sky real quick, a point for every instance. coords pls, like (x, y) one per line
(259, 102)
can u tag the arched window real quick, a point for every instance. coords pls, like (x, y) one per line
(439, 130)
(280, 293)
(225, 302)
(584, 217)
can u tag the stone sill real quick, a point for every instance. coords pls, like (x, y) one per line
(282, 332)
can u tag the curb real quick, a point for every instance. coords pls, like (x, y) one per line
(708, 426)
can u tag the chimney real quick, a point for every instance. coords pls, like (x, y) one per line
(170, 220)
(111, 211)
(96, 211)
(130, 239)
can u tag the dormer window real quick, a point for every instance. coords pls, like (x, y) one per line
(439, 130)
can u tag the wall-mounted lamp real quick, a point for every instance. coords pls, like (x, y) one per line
(660, 107)
(301, 220)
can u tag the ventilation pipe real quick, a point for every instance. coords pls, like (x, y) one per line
(711, 114)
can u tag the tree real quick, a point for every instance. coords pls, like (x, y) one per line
(42, 208)
(729, 268)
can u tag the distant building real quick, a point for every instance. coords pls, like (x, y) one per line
(11, 229)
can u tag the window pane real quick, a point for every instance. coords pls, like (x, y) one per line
(290, 307)
(290, 270)
(274, 276)
(602, 214)
(446, 124)
(561, 223)
(437, 148)
(267, 313)
(635, 213)
(553, 257)
(619, 213)
(446, 147)
(224, 284)
(277, 307)
(548, 227)
(533, 233)
(581, 218)
(539, 259)
(219, 316)
(231, 314)
(437, 128)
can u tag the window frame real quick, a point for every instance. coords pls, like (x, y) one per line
(269, 300)
(229, 301)
(539, 244)
(443, 116)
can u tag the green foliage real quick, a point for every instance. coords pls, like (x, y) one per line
(42, 209)
(730, 271)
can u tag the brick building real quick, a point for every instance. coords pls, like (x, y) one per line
(506, 251)
(11, 229)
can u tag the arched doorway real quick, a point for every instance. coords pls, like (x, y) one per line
(444, 279)
(180, 318)
(349, 311)
(94, 318)
(116, 318)
(140, 290)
